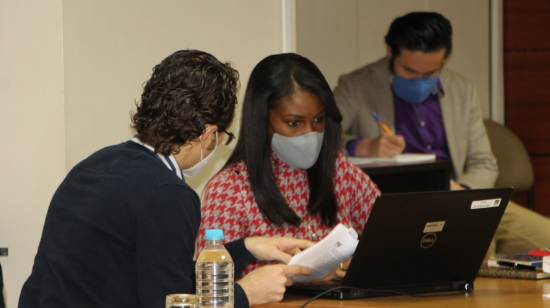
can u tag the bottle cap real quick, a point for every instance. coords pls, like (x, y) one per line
(214, 234)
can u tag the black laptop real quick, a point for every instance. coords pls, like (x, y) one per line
(419, 243)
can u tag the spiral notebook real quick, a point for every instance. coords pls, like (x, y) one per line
(420, 243)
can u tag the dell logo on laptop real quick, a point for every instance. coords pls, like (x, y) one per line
(428, 240)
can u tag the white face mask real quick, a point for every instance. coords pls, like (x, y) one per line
(191, 172)
(299, 152)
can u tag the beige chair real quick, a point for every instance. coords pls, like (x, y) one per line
(513, 161)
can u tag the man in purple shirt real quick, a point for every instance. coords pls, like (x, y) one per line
(429, 109)
(415, 89)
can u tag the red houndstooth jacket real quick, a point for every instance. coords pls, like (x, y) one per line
(229, 203)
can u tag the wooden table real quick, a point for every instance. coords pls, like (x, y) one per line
(488, 293)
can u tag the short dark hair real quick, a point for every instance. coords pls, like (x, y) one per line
(273, 79)
(420, 31)
(186, 91)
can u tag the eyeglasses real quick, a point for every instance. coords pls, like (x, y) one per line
(230, 136)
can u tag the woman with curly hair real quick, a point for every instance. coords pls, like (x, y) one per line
(120, 230)
(286, 176)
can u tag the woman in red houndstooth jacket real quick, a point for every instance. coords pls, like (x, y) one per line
(286, 176)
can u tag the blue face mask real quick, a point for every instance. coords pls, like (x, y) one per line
(413, 91)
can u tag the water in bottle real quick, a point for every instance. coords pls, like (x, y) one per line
(214, 271)
(182, 301)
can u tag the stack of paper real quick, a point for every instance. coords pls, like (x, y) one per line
(509, 272)
(326, 255)
(519, 266)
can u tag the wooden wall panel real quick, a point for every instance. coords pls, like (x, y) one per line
(527, 24)
(542, 184)
(521, 198)
(527, 88)
(527, 98)
(527, 76)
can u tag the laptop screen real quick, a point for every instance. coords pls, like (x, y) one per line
(425, 242)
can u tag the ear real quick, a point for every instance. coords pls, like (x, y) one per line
(388, 52)
(209, 136)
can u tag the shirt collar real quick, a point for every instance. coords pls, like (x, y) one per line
(169, 161)
(440, 86)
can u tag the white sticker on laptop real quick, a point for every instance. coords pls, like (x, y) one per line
(483, 204)
(434, 226)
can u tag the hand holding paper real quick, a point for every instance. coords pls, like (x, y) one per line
(275, 248)
(326, 255)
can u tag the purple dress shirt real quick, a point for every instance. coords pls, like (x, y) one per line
(421, 126)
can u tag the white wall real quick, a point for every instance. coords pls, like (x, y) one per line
(111, 47)
(32, 129)
(70, 72)
(343, 35)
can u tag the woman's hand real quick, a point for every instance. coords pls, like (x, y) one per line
(275, 248)
(339, 272)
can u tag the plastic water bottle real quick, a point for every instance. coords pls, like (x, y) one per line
(215, 273)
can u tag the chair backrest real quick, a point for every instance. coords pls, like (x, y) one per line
(513, 161)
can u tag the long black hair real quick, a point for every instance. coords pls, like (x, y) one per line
(273, 79)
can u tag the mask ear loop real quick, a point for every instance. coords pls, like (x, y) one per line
(200, 142)
(216, 146)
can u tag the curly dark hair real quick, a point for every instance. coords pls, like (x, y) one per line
(186, 91)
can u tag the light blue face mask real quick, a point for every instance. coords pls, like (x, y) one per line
(299, 152)
(413, 91)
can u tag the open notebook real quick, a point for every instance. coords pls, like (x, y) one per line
(420, 243)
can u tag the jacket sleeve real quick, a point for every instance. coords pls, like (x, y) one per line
(362, 191)
(346, 102)
(240, 256)
(222, 208)
(480, 168)
(241, 301)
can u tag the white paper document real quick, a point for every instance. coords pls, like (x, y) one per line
(327, 254)
(401, 158)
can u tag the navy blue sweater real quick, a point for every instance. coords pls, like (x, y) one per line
(120, 232)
